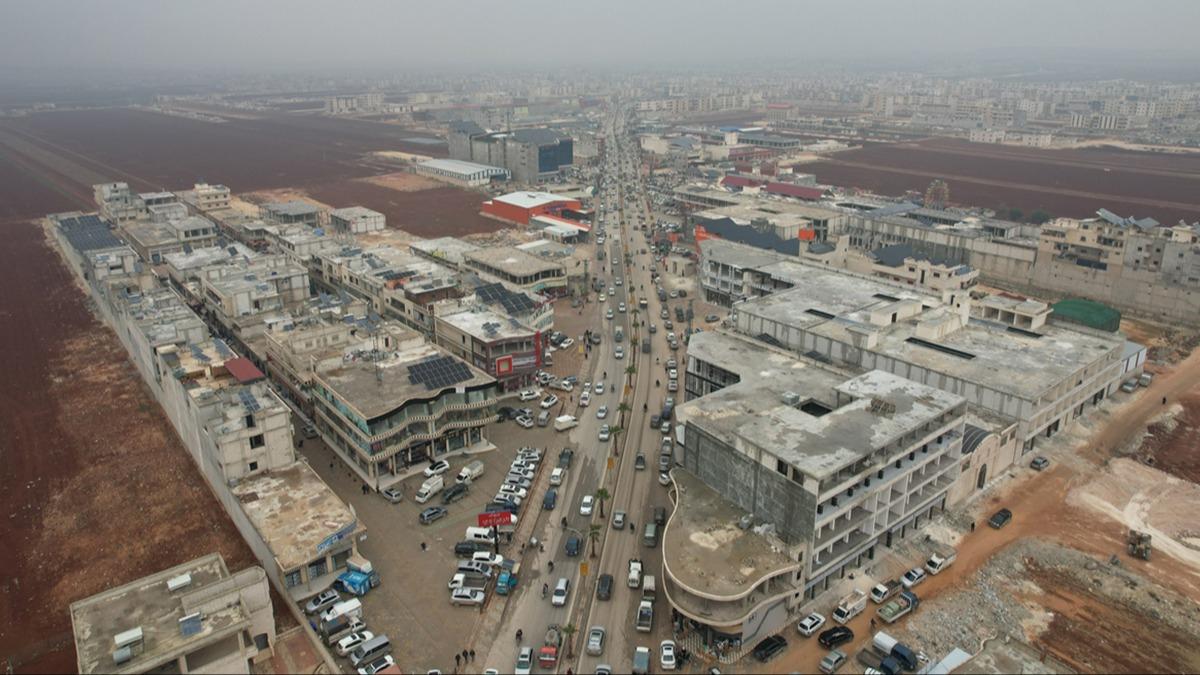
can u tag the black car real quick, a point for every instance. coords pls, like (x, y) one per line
(770, 648)
(838, 635)
(572, 546)
(604, 587)
(466, 549)
(431, 514)
(1000, 518)
(493, 507)
(564, 458)
(1039, 463)
(454, 493)
(660, 515)
(639, 462)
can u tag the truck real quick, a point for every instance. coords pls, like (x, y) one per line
(339, 628)
(470, 472)
(467, 580)
(883, 592)
(940, 560)
(548, 654)
(635, 572)
(509, 575)
(648, 588)
(897, 607)
(429, 488)
(641, 660)
(358, 578)
(896, 650)
(564, 422)
(850, 606)
(645, 616)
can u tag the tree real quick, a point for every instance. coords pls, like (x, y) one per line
(568, 632)
(1038, 217)
(594, 535)
(1015, 214)
(631, 370)
(601, 496)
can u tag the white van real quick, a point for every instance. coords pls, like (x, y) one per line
(483, 534)
(370, 650)
(543, 418)
(351, 608)
(429, 488)
(470, 472)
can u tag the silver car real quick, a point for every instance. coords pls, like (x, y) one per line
(595, 643)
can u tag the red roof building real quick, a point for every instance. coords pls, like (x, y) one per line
(521, 207)
(811, 194)
(243, 370)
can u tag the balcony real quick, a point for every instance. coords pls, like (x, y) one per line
(842, 524)
(839, 550)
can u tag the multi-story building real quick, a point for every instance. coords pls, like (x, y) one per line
(518, 269)
(399, 403)
(196, 617)
(117, 203)
(530, 155)
(357, 220)
(295, 212)
(834, 465)
(492, 338)
(153, 240)
(205, 197)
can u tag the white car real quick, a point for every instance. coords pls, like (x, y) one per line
(549, 401)
(526, 422)
(467, 596)
(621, 308)
(587, 386)
(561, 590)
(558, 475)
(672, 373)
(666, 655)
(601, 412)
(609, 313)
(810, 624)
(599, 389)
(605, 432)
(603, 296)
(437, 468)
(585, 398)
(377, 665)
(913, 577)
(527, 395)
(619, 352)
(595, 643)
(524, 661)
(352, 641)
(566, 343)
(488, 558)
(586, 505)
(520, 493)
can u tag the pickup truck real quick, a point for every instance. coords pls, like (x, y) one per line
(940, 561)
(641, 660)
(648, 588)
(645, 616)
(548, 654)
(508, 577)
(883, 592)
(850, 606)
(467, 580)
(897, 607)
(635, 573)
(339, 628)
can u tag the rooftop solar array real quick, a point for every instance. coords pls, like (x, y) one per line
(513, 302)
(88, 233)
(439, 371)
(249, 400)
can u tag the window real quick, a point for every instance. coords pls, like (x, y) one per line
(253, 466)
(257, 441)
(249, 421)
(292, 578)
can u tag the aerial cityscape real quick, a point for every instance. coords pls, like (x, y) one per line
(544, 337)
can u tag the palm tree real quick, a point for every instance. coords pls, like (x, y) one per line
(568, 632)
(601, 495)
(594, 535)
(631, 370)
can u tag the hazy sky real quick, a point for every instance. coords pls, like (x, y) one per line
(251, 35)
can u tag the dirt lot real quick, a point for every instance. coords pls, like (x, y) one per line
(436, 212)
(96, 489)
(1061, 182)
(1171, 442)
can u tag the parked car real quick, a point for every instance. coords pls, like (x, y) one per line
(1039, 463)
(664, 478)
(467, 596)
(549, 401)
(586, 505)
(437, 468)
(454, 493)
(832, 661)
(1000, 518)
(913, 577)
(322, 601)
(432, 514)
(488, 558)
(527, 395)
(525, 422)
(810, 624)
(836, 636)
(377, 665)
(666, 655)
(770, 648)
(352, 641)
(393, 494)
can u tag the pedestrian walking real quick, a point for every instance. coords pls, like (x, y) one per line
(972, 526)
(872, 623)
(472, 656)
(464, 655)
(457, 661)
(423, 547)
(1164, 400)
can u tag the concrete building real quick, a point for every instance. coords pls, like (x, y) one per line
(834, 465)
(153, 240)
(488, 334)
(94, 251)
(518, 269)
(292, 213)
(196, 617)
(356, 220)
(205, 197)
(530, 155)
(462, 173)
(899, 263)
(117, 203)
(448, 251)
(400, 403)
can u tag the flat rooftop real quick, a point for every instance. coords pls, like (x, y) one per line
(295, 511)
(705, 549)
(739, 255)
(512, 260)
(461, 167)
(752, 414)
(292, 208)
(375, 384)
(529, 200)
(449, 249)
(476, 320)
(354, 213)
(148, 604)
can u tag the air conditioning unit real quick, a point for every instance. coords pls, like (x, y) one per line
(181, 581)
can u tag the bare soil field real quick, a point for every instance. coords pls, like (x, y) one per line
(436, 212)
(1062, 182)
(1171, 446)
(94, 485)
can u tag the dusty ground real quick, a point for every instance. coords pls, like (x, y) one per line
(96, 488)
(404, 181)
(434, 212)
(1171, 441)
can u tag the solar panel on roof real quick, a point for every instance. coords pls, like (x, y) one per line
(199, 353)
(223, 349)
(249, 400)
(438, 371)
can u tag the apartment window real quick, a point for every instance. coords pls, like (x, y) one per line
(781, 466)
(292, 578)
(249, 421)
(253, 466)
(257, 441)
